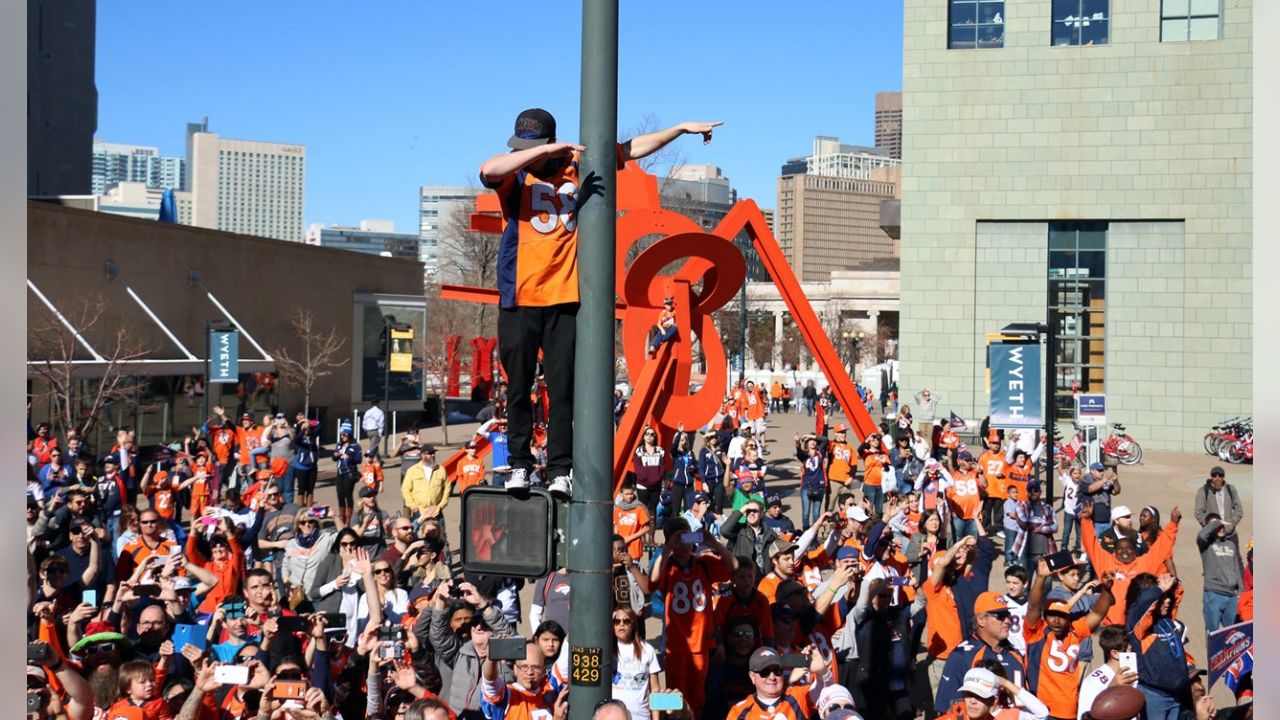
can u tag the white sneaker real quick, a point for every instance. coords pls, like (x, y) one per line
(562, 486)
(518, 480)
(1000, 534)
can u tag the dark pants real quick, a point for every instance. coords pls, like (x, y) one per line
(522, 331)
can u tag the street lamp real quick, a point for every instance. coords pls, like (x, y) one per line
(853, 337)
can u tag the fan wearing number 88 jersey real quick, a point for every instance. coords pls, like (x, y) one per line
(687, 581)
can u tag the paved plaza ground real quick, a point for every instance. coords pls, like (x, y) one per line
(1163, 479)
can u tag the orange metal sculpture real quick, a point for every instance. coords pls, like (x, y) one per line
(711, 274)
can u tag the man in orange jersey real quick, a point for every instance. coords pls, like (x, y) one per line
(537, 185)
(631, 519)
(964, 498)
(1053, 642)
(992, 465)
(687, 580)
(537, 693)
(840, 464)
(777, 695)
(470, 470)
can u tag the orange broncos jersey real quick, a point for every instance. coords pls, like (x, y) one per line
(993, 469)
(690, 618)
(841, 467)
(963, 495)
(538, 253)
(470, 472)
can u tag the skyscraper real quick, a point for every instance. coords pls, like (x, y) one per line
(113, 163)
(889, 123)
(245, 186)
(440, 210)
(62, 99)
(828, 214)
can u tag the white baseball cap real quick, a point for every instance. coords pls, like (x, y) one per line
(857, 513)
(833, 694)
(1120, 511)
(980, 682)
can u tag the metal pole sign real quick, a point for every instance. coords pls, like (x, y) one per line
(1016, 400)
(224, 356)
(1091, 410)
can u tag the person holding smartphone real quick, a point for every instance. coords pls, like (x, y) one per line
(636, 667)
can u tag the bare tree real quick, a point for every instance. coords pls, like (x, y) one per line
(469, 258)
(444, 319)
(663, 163)
(67, 372)
(317, 358)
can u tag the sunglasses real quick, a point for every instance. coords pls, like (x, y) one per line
(405, 528)
(148, 522)
(842, 706)
(747, 633)
(770, 672)
(347, 544)
(382, 571)
(623, 621)
(306, 522)
(752, 511)
(101, 649)
(1000, 616)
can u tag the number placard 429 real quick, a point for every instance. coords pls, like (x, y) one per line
(585, 665)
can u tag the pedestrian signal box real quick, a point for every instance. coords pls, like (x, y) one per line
(508, 534)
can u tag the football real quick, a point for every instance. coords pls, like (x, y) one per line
(1117, 703)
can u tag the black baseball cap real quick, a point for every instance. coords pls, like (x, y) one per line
(534, 127)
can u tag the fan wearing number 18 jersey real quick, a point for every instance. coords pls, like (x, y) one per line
(686, 574)
(537, 187)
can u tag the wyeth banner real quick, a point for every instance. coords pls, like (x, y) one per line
(1017, 400)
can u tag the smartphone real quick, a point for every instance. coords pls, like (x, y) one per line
(146, 590)
(208, 520)
(790, 661)
(393, 651)
(512, 648)
(691, 538)
(292, 624)
(1129, 661)
(391, 633)
(39, 653)
(231, 674)
(669, 701)
(899, 580)
(320, 511)
(89, 597)
(289, 690)
(194, 635)
(1060, 560)
(335, 621)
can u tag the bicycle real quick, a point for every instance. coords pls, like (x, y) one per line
(1122, 446)
(1225, 432)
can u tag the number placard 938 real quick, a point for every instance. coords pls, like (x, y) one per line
(585, 665)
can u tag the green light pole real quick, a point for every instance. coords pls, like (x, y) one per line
(590, 513)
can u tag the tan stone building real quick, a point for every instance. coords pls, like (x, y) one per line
(1091, 173)
(828, 214)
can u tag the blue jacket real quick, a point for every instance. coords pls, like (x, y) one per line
(348, 457)
(685, 468)
(967, 655)
(1162, 660)
(710, 467)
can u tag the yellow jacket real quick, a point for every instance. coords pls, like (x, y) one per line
(420, 491)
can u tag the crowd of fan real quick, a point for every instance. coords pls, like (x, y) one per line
(202, 581)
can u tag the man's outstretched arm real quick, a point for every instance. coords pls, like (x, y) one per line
(498, 167)
(644, 145)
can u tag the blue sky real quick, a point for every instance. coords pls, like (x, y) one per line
(388, 96)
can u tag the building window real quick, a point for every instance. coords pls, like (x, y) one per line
(976, 24)
(1077, 308)
(1081, 22)
(1182, 20)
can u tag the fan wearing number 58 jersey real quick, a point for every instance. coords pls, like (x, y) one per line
(537, 186)
(686, 574)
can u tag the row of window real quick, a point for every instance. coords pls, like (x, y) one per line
(980, 23)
